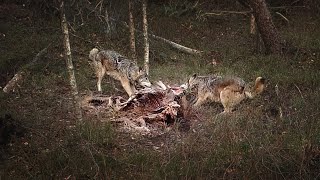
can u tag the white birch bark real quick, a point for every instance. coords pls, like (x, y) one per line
(70, 68)
(145, 36)
(132, 33)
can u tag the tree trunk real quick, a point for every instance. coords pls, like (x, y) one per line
(132, 33)
(267, 29)
(145, 36)
(107, 20)
(252, 24)
(68, 57)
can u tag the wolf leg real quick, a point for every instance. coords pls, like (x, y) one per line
(100, 72)
(226, 100)
(200, 100)
(127, 86)
(230, 99)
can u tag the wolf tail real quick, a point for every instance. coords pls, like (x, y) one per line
(258, 87)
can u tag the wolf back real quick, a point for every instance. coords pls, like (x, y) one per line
(119, 67)
(229, 91)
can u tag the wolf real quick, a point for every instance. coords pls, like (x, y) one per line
(119, 67)
(229, 91)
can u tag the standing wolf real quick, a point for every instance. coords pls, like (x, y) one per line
(230, 91)
(119, 67)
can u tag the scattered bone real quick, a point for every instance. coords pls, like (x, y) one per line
(148, 110)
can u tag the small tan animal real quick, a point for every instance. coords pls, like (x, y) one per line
(119, 67)
(230, 91)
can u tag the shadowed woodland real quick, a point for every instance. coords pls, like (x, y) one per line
(54, 123)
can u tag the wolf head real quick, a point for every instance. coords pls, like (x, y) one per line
(141, 78)
(93, 54)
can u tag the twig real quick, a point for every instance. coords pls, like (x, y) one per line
(299, 92)
(286, 7)
(218, 13)
(95, 163)
(226, 170)
(278, 93)
(281, 15)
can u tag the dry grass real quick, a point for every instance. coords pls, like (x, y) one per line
(270, 137)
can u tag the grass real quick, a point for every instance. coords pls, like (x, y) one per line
(254, 142)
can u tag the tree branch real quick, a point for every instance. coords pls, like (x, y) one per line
(171, 43)
(19, 76)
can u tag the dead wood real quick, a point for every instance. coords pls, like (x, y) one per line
(252, 24)
(175, 45)
(219, 13)
(18, 77)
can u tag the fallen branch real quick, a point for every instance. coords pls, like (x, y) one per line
(278, 96)
(177, 46)
(22, 73)
(281, 15)
(286, 7)
(171, 43)
(219, 13)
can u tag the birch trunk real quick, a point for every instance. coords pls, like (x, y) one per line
(132, 33)
(68, 58)
(252, 24)
(145, 36)
(107, 20)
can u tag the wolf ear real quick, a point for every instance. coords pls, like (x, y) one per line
(93, 53)
(192, 77)
(141, 70)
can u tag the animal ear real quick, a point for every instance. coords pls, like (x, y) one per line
(141, 70)
(192, 77)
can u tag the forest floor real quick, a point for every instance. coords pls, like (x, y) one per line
(274, 136)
